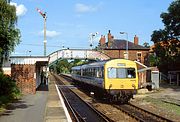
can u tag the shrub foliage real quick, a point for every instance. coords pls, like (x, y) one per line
(8, 89)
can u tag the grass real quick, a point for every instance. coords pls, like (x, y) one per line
(167, 106)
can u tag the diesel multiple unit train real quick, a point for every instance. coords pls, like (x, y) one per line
(115, 79)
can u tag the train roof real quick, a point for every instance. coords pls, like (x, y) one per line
(100, 63)
(96, 64)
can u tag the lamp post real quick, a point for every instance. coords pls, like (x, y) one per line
(91, 39)
(127, 55)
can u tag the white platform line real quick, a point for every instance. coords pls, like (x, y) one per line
(63, 104)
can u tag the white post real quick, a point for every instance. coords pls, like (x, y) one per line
(127, 55)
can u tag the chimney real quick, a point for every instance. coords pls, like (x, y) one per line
(109, 36)
(102, 40)
(110, 39)
(136, 39)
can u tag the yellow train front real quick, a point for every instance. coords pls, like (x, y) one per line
(116, 79)
(120, 79)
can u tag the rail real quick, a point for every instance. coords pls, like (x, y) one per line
(82, 110)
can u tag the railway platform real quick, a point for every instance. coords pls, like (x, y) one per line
(54, 111)
(44, 106)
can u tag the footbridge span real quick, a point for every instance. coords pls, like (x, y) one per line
(77, 54)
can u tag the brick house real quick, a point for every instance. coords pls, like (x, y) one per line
(116, 48)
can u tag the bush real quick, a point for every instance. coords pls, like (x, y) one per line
(8, 89)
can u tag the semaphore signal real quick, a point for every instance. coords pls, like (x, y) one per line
(45, 17)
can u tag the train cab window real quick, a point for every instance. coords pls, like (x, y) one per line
(121, 73)
(112, 72)
(131, 73)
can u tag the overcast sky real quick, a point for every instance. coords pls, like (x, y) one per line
(70, 22)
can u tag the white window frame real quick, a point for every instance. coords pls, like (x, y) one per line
(137, 56)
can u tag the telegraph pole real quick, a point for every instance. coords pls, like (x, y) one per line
(45, 18)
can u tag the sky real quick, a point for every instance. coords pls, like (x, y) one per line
(70, 23)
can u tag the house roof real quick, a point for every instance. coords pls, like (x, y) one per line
(121, 44)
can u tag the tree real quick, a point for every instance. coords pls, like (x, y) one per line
(62, 66)
(9, 34)
(167, 40)
(146, 44)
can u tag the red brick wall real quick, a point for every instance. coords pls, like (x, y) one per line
(112, 53)
(120, 54)
(142, 78)
(24, 76)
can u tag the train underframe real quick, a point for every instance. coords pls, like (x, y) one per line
(111, 95)
(120, 95)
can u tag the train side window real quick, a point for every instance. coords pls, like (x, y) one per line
(99, 73)
(91, 72)
(85, 72)
(94, 72)
(102, 69)
(88, 72)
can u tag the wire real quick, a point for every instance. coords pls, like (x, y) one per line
(41, 45)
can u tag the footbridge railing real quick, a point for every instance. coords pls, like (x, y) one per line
(77, 54)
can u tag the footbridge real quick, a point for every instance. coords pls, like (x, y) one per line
(27, 70)
(76, 54)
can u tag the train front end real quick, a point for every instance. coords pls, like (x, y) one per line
(121, 79)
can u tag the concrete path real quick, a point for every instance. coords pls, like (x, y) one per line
(29, 109)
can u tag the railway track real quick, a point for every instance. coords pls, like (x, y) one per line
(141, 114)
(138, 113)
(79, 110)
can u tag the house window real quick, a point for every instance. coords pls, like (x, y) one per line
(139, 56)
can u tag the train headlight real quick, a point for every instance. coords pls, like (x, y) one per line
(133, 86)
(92, 94)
